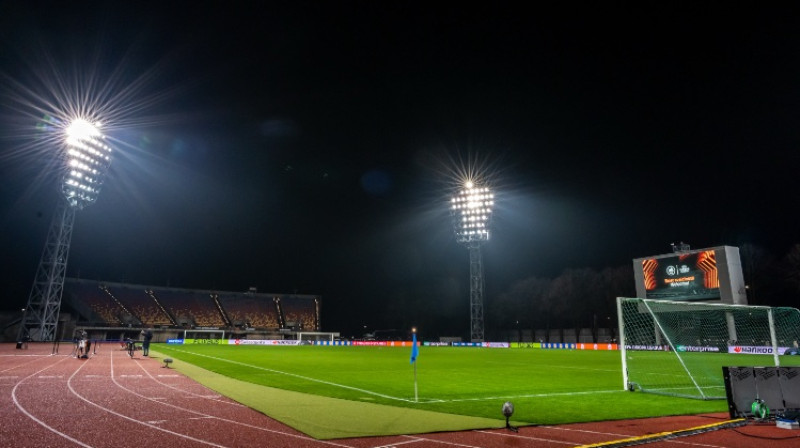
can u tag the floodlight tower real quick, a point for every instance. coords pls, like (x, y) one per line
(471, 209)
(86, 159)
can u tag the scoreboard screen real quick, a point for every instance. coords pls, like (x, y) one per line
(691, 276)
(712, 274)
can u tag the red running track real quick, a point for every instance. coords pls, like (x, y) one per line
(110, 400)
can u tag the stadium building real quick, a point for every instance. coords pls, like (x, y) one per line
(110, 311)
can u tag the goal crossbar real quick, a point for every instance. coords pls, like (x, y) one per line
(679, 348)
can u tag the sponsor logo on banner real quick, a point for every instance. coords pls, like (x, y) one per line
(648, 347)
(436, 344)
(752, 349)
(497, 345)
(175, 341)
(564, 345)
(696, 348)
(204, 341)
(596, 346)
(263, 342)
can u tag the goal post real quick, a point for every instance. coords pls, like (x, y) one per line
(314, 336)
(679, 348)
(196, 333)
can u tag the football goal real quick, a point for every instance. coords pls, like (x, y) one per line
(209, 334)
(679, 348)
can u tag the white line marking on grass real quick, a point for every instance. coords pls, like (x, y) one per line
(302, 377)
(553, 394)
(518, 436)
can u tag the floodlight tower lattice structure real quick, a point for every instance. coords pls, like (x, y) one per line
(471, 210)
(86, 158)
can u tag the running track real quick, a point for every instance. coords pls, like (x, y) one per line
(111, 400)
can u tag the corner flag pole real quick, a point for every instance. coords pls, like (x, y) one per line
(414, 354)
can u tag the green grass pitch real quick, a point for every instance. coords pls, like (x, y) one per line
(546, 386)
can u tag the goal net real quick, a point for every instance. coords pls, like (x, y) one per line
(203, 334)
(679, 348)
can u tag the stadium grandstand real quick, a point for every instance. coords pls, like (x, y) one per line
(117, 310)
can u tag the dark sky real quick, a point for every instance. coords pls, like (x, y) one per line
(312, 147)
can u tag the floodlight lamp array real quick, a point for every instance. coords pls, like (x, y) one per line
(472, 210)
(87, 158)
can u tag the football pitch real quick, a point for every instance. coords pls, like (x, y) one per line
(545, 386)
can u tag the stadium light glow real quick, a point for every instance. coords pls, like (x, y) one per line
(471, 211)
(88, 158)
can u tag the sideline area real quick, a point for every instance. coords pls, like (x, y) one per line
(330, 418)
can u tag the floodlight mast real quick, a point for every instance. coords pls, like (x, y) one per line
(471, 210)
(86, 159)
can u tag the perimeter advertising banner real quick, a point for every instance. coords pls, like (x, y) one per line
(756, 350)
(272, 342)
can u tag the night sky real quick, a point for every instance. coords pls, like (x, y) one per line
(312, 147)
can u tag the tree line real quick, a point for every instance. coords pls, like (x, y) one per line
(586, 297)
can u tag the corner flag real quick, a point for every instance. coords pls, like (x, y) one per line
(414, 348)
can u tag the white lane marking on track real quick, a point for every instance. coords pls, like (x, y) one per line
(519, 436)
(392, 445)
(49, 377)
(603, 433)
(75, 392)
(31, 416)
(233, 422)
(443, 442)
(215, 397)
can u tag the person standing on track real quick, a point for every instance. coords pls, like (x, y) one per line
(147, 336)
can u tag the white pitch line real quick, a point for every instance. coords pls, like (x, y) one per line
(302, 377)
(378, 394)
(553, 394)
